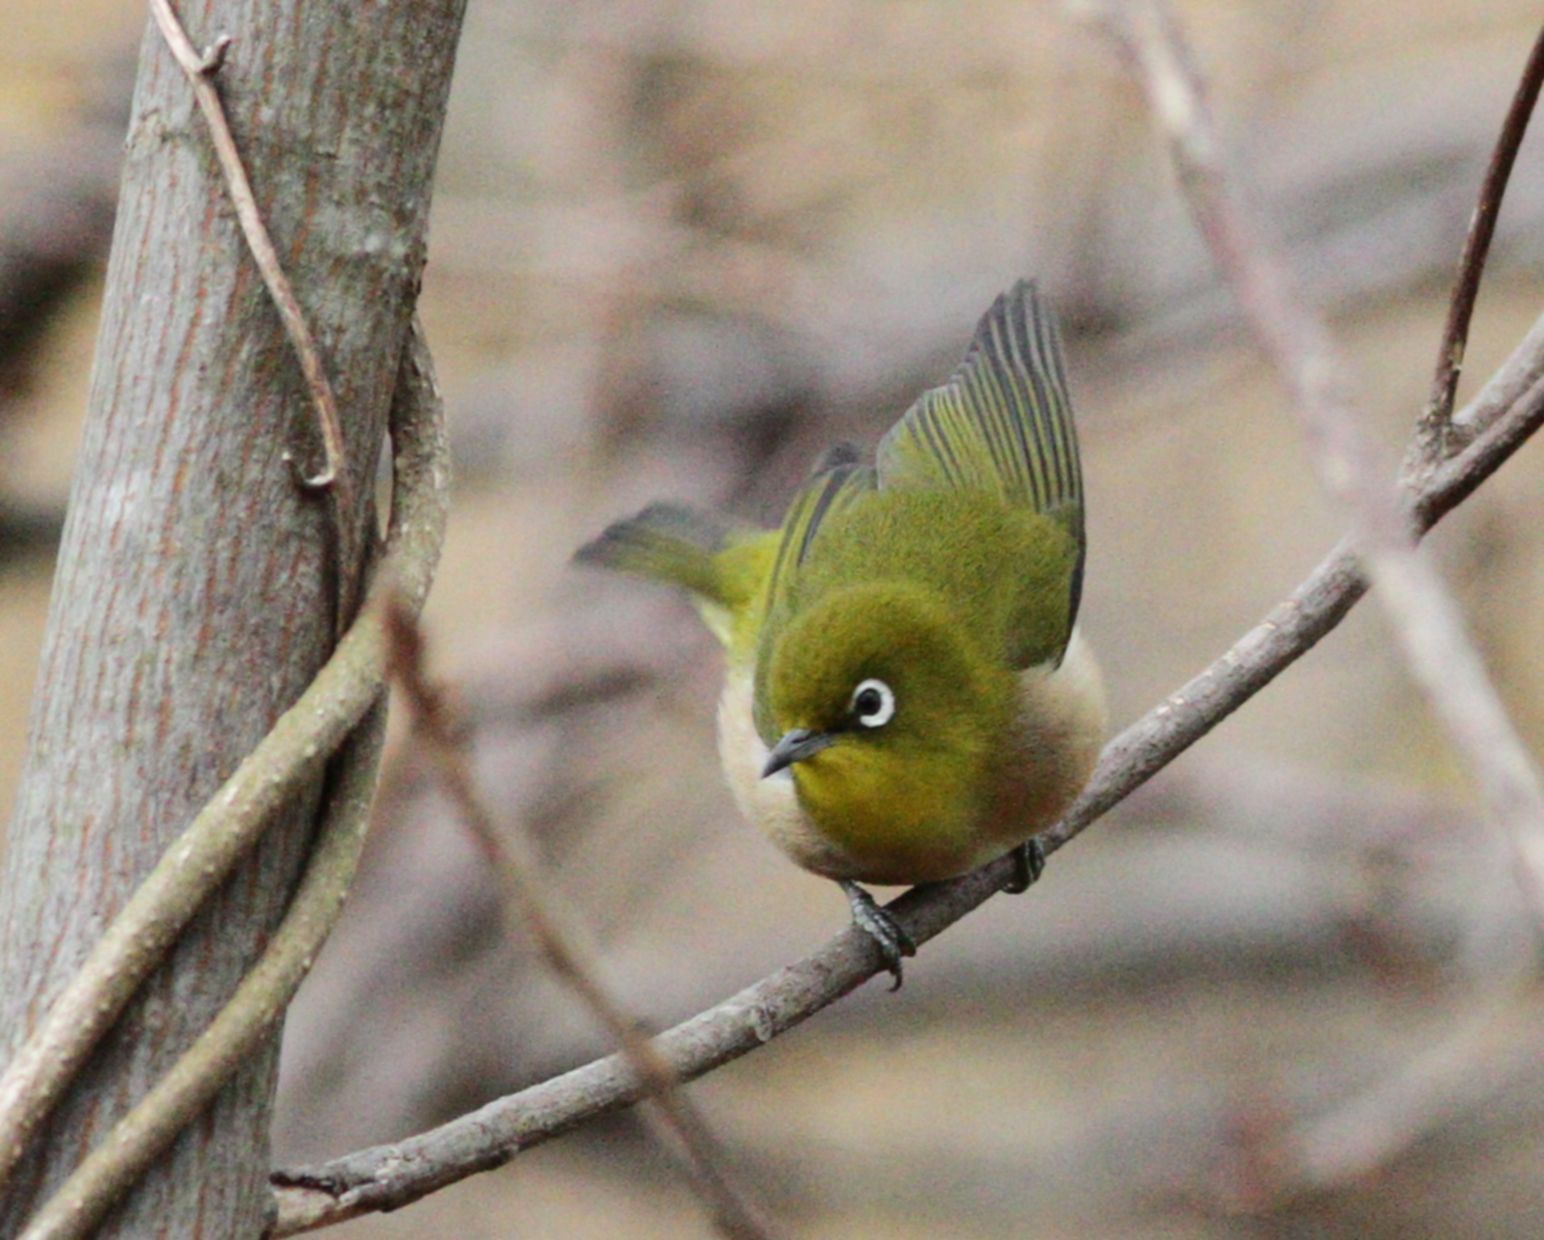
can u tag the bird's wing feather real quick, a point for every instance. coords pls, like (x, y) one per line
(1002, 424)
(826, 493)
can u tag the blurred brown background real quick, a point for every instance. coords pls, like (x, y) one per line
(677, 249)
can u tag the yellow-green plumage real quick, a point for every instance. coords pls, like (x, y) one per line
(948, 574)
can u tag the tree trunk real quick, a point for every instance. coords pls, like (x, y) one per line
(195, 589)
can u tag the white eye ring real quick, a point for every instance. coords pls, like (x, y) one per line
(873, 714)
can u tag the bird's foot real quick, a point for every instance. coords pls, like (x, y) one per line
(881, 926)
(1028, 865)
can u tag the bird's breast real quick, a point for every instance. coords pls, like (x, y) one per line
(1044, 765)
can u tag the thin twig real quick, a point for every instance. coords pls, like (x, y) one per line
(390, 1176)
(1426, 621)
(138, 1139)
(334, 477)
(200, 68)
(674, 1117)
(1432, 438)
(1506, 431)
(1516, 375)
(286, 760)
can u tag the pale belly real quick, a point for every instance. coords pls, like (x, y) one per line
(1061, 730)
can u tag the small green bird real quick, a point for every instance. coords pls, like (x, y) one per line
(907, 694)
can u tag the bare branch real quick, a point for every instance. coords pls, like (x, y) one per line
(675, 1120)
(1435, 425)
(1506, 431)
(289, 756)
(200, 67)
(1425, 619)
(1502, 391)
(390, 1176)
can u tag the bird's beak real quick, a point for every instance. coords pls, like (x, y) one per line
(796, 745)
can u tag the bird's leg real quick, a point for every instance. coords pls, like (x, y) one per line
(1028, 865)
(881, 926)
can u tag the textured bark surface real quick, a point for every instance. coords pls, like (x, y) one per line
(194, 595)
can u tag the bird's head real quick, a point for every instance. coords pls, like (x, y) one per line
(884, 714)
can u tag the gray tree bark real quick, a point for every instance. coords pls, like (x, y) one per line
(195, 589)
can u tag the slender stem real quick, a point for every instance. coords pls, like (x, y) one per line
(1435, 423)
(526, 899)
(333, 477)
(200, 68)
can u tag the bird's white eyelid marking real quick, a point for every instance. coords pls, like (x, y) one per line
(884, 712)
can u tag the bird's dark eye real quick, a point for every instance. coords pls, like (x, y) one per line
(873, 704)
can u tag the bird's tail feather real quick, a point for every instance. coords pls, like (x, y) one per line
(667, 542)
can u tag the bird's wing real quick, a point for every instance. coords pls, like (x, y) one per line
(837, 481)
(1002, 424)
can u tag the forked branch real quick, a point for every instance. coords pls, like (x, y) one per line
(1426, 621)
